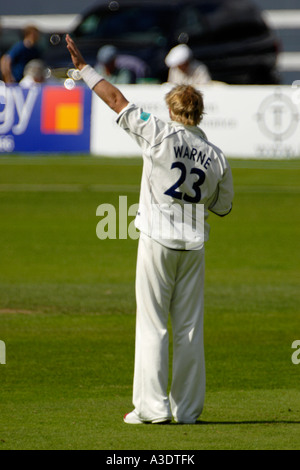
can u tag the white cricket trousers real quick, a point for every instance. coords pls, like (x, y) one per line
(169, 282)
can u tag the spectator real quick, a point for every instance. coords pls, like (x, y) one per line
(183, 69)
(14, 61)
(119, 68)
(35, 74)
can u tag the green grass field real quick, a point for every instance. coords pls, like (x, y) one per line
(67, 311)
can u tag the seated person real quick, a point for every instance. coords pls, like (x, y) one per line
(119, 68)
(34, 74)
(183, 69)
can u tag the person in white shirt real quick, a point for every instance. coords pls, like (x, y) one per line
(37, 74)
(184, 69)
(181, 170)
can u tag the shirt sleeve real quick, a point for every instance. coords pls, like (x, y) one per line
(222, 203)
(143, 127)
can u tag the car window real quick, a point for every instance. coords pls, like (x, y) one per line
(219, 22)
(129, 25)
(89, 26)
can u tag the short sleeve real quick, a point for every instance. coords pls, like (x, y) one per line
(143, 127)
(222, 204)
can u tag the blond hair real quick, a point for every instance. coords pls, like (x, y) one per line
(185, 104)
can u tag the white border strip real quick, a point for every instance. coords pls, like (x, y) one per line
(278, 19)
(46, 23)
(282, 19)
(289, 61)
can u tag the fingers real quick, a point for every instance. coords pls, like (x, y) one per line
(70, 43)
(71, 46)
(76, 56)
(69, 39)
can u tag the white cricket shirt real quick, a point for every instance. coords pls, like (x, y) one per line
(183, 177)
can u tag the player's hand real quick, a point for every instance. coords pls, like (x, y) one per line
(76, 56)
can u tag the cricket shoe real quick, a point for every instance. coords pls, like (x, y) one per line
(133, 418)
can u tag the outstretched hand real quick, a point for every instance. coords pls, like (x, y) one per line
(105, 90)
(76, 56)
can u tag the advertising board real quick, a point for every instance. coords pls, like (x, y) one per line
(244, 121)
(44, 119)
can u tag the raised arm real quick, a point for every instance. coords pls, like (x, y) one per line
(110, 94)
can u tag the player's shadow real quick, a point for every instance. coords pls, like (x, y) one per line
(207, 423)
(230, 423)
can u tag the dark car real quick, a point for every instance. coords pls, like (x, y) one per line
(229, 36)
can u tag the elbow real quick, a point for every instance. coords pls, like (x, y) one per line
(118, 102)
(112, 101)
(115, 103)
(223, 214)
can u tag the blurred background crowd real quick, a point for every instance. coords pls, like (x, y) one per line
(197, 42)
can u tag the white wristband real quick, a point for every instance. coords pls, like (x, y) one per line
(90, 76)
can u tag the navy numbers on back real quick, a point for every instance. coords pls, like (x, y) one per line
(173, 190)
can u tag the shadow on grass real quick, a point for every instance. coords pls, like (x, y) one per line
(205, 423)
(232, 423)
